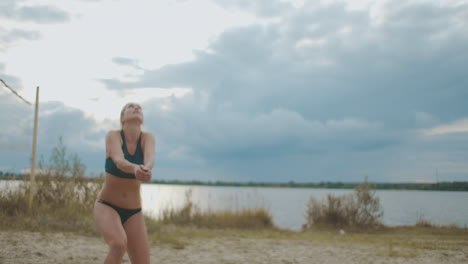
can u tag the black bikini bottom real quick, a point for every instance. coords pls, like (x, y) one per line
(124, 214)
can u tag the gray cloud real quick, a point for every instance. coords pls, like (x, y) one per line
(16, 133)
(80, 134)
(8, 38)
(236, 135)
(15, 128)
(16, 34)
(127, 62)
(324, 93)
(279, 145)
(264, 8)
(42, 14)
(36, 13)
(13, 81)
(57, 120)
(7, 8)
(286, 65)
(325, 89)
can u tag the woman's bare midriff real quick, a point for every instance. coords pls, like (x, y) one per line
(121, 192)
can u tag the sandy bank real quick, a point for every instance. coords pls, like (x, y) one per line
(35, 247)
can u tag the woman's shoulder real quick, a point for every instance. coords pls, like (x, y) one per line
(147, 135)
(113, 134)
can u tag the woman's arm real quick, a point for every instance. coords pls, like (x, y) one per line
(149, 150)
(114, 151)
(144, 172)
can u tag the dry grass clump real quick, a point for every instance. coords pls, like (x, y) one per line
(190, 214)
(361, 209)
(424, 223)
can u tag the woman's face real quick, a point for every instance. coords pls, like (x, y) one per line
(132, 111)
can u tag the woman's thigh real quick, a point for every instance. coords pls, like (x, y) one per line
(108, 223)
(137, 247)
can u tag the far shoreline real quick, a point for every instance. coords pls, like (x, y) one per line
(454, 186)
(441, 186)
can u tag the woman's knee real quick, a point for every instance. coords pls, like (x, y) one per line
(118, 246)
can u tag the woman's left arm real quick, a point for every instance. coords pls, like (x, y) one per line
(149, 150)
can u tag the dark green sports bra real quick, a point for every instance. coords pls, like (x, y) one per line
(136, 158)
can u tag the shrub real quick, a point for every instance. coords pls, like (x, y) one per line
(359, 209)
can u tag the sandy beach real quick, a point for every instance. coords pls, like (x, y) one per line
(36, 247)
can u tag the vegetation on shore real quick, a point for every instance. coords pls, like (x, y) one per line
(63, 201)
(361, 209)
(191, 215)
(62, 198)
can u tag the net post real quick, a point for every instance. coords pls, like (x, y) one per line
(33, 158)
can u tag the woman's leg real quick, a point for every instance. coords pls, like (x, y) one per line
(138, 249)
(108, 223)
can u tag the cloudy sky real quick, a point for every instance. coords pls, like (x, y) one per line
(238, 90)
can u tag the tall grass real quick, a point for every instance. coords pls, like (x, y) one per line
(63, 198)
(191, 215)
(361, 209)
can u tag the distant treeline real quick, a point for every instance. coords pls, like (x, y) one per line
(439, 186)
(25, 176)
(6, 175)
(436, 186)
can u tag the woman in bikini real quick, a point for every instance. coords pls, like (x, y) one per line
(129, 161)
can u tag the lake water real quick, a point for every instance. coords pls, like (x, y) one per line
(288, 205)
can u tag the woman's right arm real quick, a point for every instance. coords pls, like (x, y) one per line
(114, 151)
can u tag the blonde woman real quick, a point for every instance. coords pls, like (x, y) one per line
(117, 212)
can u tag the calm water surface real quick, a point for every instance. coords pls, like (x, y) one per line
(288, 205)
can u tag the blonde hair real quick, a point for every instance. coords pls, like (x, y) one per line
(123, 111)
